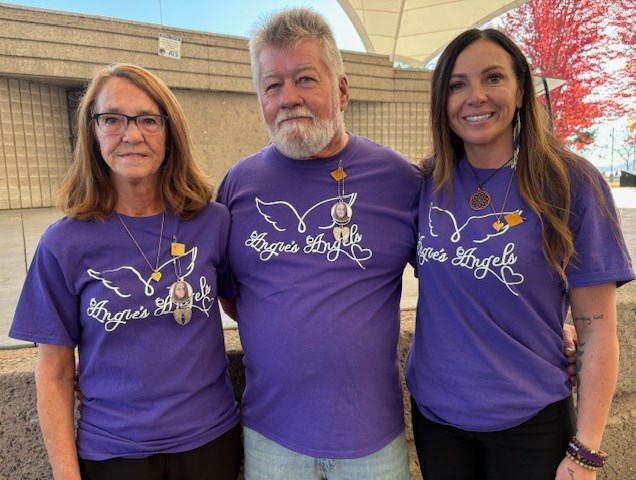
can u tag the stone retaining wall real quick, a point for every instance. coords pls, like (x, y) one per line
(22, 454)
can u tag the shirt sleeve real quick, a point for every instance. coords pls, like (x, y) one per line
(48, 310)
(601, 252)
(226, 283)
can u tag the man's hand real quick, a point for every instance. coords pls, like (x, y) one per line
(78, 393)
(570, 342)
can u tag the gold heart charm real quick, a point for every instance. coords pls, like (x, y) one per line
(345, 234)
(156, 276)
(497, 225)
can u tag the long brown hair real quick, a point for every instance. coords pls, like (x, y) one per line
(87, 191)
(546, 170)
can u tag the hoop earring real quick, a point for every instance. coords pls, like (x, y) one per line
(516, 139)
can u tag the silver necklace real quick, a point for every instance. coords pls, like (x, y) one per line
(498, 224)
(156, 274)
(341, 212)
(180, 291)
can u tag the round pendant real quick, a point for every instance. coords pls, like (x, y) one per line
(180, 293)
(479, 200)
(341, 213)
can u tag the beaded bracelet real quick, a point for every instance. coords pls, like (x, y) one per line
(584, 456)
(582, 462)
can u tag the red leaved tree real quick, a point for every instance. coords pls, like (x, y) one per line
(588, 43)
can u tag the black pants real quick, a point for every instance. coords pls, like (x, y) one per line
(530, 451)
(219, 459)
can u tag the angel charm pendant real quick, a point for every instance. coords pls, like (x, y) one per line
(341, 214)
(341, 234)
(183, 315)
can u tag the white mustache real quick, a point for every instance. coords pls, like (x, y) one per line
(295, 113)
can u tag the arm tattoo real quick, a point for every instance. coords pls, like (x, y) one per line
(571, 473)
(587, 320)
(580, 351)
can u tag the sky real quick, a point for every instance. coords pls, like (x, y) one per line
(228, 17)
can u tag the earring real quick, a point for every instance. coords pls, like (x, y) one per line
(516, 139)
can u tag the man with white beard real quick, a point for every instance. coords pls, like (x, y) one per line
(323, 224)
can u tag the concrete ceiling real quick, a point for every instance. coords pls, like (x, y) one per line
(414, 32)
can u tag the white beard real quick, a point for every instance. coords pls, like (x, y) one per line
(295, 139)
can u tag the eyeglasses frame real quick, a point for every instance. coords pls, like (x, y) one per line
(95, 116)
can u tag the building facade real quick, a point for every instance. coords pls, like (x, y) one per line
(46, 57)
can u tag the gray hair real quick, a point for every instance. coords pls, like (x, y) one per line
(287, 28)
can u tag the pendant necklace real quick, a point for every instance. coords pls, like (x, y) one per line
(180, 291)
(512, 219)
(481, 198)
(341, 211)
(156, 274)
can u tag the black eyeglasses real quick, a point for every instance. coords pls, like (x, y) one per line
(117, 123)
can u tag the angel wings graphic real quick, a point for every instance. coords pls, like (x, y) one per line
(439, 216)
(283, 216)
(124, 277)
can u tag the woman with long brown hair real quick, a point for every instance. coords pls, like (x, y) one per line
(513, 230)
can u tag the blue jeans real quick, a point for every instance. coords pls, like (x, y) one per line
(267, 460)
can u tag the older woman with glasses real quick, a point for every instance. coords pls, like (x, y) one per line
(157, 397)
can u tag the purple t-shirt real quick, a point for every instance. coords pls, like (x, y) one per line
(319, 320)
(150, 385)
(488, 348)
